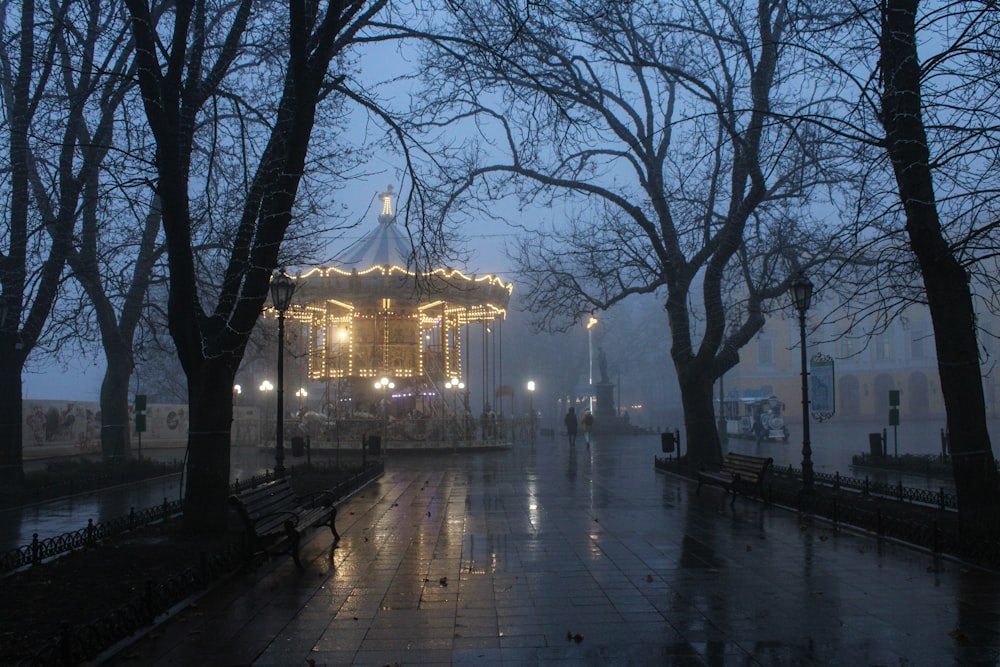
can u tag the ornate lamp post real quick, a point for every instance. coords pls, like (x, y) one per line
(801, 290)
(531, 408)
(301, 393)
(282, 288)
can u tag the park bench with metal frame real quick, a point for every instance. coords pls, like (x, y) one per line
(273, 517)
(738, 471)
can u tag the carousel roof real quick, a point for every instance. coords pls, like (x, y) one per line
(383, 246)
(377, 266)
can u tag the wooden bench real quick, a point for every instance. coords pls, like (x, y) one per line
(274, 516)
(738, 470)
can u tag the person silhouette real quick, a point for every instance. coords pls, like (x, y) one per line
(571, 426)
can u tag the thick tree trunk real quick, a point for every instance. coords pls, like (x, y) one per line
(696, 384)
(115, 437)
(210, 399)
(945, 280)
(11, 431)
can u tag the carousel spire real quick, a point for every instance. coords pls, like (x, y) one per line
(387, 216)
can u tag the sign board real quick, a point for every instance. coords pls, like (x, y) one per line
(822, 387)
(894, 397)
(893, 416)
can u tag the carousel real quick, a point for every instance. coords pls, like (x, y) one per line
(391, 344)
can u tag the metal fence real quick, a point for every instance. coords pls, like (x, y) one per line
(940, 498)
(937, 528)
(51, 547)
(78, 645)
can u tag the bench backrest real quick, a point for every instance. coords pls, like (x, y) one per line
(276, 496)
(750, 468)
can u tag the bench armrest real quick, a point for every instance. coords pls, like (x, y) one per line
(317, 499)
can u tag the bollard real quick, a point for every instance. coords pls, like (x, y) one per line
(166, 510)
(35, 549)
(90, 532)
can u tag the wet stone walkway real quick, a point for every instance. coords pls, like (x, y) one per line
(545, 555)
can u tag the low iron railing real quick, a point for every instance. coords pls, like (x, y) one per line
(938, 529)
(905, 494)
(51, 547)
(78, 645)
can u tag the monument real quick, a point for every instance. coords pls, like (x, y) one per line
(604, 394)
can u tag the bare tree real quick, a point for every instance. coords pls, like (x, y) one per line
(60, 95)
(181, 73)
(946, 280)
(108, 235)
(658, 127)
(923, 123)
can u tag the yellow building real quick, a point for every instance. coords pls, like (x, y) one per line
(901, 358)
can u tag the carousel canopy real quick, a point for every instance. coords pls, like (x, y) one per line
(377, 266)
(372, 315)
(383, 246)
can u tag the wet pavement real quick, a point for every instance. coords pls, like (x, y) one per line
(547, 555)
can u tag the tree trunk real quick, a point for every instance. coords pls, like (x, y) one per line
(696, 385)
(115, 438)
(11, 432)
(945, 280)
(210, 400)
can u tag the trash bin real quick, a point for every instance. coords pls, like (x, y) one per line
(667, 442)
(875, 445)
(298, 445)
(375, 445)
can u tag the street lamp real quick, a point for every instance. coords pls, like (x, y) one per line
(531, 407)
(455, 385)
(384, 384)
(265, 387)
(590, 354)
(282, 288)
(801, 290)
(300, 394)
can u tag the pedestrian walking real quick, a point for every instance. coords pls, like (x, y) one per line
(571, 426)
(588, 424)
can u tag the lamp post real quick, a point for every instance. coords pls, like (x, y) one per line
(282, 288)
(455, 386)
(531, 408)
(590, 354)
(265, 387)
(300, 394)
(801, 290)
(384, 384)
